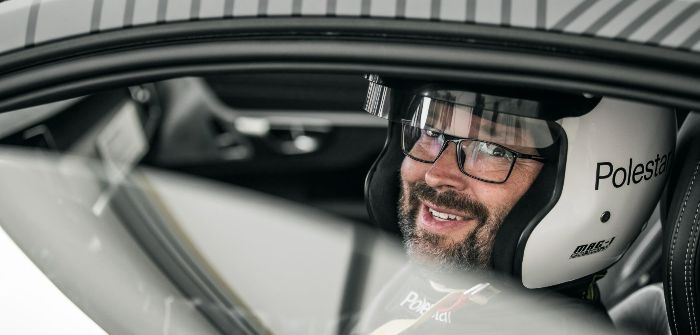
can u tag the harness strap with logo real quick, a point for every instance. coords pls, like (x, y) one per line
(480, 294)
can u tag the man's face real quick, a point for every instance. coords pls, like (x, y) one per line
(464, 241)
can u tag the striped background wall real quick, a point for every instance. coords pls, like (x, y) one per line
(670, 23)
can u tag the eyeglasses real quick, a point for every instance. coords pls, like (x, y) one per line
(481, 160)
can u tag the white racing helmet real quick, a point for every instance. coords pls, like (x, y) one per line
(605, 165)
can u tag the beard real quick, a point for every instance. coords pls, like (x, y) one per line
(440, 252)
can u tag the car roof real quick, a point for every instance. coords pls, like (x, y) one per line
(671, 24)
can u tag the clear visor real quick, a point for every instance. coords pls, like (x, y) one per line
(495, 121)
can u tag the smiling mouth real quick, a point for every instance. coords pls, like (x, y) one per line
(444, 216)
(441, 221)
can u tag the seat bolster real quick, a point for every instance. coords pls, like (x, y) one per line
(682, 233)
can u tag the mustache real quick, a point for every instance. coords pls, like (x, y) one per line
(448, 199)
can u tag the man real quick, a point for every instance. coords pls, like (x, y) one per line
(451, 215)
(479, 178)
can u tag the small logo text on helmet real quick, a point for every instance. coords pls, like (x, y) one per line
(591, 248)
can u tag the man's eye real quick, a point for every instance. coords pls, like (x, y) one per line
(431, 133)
(499, 152)
(494, 151)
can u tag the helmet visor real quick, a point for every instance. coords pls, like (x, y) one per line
(466, 115)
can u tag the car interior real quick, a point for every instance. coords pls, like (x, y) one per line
(302, 137)
(297, 136)
(131, 132)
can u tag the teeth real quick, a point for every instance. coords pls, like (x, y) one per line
(443, 216)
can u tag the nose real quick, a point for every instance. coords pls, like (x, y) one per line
(444, 174)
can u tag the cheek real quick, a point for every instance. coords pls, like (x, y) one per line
(497, 198)
(523, 179)
(412, 171)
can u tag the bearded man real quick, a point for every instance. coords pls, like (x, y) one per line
(472, 179)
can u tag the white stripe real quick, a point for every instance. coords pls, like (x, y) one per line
(145, 11)
(64, 18)
(279, 7)
(348, 7)
(211, 9)
(112, 14)
(313, 7)
(524, 13)
(678, 36)
(488, 11)
(418, 9)
(556, 10)
(177, 10)
(383, 8)
(585, 20)
(624, 18)
(13, 24)
(245, 8)
(657, 22)
(453, 10)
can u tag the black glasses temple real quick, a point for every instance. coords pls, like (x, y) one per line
(533, 157)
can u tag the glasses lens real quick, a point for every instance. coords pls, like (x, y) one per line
(421, 144)
(487, 161)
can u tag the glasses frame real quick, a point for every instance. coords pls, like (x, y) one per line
(460, 158)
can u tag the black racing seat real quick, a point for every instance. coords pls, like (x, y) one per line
(681, 229)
